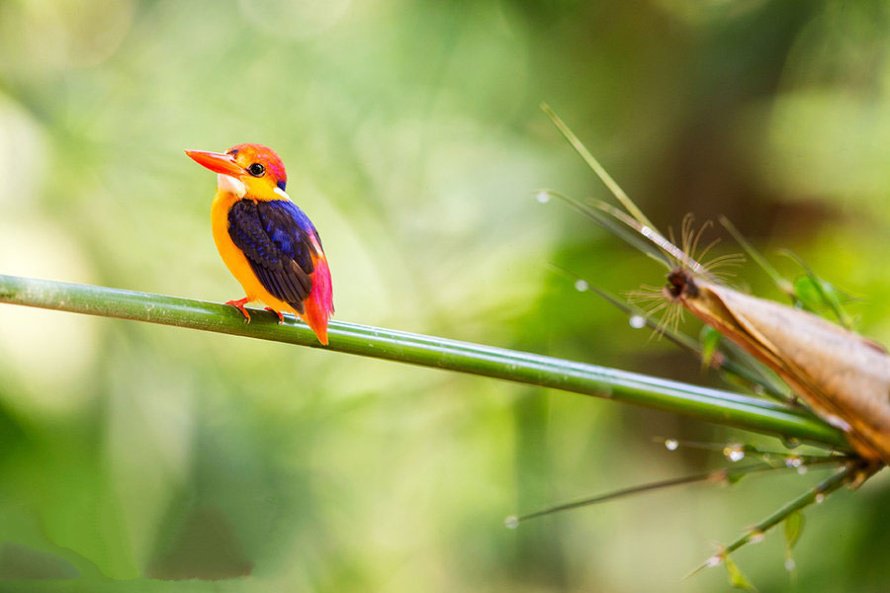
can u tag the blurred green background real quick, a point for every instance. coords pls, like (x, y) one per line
(143, 458)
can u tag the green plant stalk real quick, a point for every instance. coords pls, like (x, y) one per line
(822, 489)
(726, 475)
(811, 496)
(708, 404)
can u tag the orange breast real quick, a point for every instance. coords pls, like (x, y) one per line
(235, 259)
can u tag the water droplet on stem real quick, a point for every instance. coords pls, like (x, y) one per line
(734, 452)
(791, 442)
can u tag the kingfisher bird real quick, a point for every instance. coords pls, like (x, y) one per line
(266, 241)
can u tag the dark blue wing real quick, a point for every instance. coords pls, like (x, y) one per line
(276, 237)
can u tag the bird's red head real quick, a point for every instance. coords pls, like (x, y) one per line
(258, 168)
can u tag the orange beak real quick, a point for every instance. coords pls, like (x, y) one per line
(218, 162)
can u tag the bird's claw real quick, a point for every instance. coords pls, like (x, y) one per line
(239, 304)
(279, 314)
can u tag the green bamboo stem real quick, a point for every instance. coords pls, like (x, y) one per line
(756, 533)
(813, 495)
(708, 404)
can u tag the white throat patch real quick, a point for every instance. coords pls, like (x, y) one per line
(228, 184)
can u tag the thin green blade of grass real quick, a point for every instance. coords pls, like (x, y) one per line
(680, 339)
(720, 475)
(597, 168)
(780, 281)
(615, 226)
(708, 404)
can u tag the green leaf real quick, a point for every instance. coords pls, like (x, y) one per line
(817, 295)
(736, 578)
(794, 524)
(820, 296)
(710, 342)
(807, 294)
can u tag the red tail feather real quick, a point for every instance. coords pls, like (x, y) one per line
(320, 304)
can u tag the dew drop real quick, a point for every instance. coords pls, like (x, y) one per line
(802, 470)
(543, 197)
(714, 560)
(637, 321)
(734, 452)
(671, 444)
(793, 461)
(511, 522)
(791, 442)
(755, 537)
(820, 498)
(581, 285)
(790, 564)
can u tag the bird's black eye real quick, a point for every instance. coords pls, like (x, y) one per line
(256, 170)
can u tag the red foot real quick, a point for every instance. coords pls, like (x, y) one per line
(278, 313)
(239, 304)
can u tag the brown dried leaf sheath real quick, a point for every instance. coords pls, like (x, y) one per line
(844, 377)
